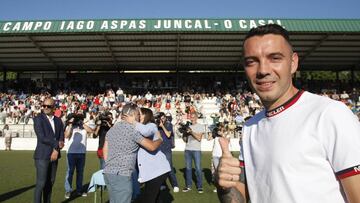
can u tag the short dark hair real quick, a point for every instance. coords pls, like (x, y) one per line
(268, 29)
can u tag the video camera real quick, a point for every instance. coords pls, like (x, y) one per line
(77, 120)
(103, 119)
(184, 129)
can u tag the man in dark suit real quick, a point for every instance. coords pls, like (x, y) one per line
(49, 131)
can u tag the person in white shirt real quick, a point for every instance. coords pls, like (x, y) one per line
(8, 138)
(302, 147)
(76, 133)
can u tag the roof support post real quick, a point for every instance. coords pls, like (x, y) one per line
(177, 60)
(42, 51)
(110, 50)
(308, 53)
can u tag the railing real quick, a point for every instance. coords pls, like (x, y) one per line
(20, 130)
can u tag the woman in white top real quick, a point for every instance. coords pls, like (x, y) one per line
(219, 131)
(153, 166)
(76, 133)
(8, 138)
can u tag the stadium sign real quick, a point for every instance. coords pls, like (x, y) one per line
(175, 25)
(132, 25)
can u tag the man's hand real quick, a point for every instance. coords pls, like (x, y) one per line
(61, 144)
(229, 172)
(229, 168)
(54, 155)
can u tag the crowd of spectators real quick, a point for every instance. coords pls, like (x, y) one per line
(232, 107)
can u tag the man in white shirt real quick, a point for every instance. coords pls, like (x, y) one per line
(302, 147)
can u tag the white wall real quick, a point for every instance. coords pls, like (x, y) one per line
(92, 144)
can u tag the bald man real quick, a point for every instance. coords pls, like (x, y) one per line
(49, 131)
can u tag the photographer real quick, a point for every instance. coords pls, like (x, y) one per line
(103, 124)
(193, 151)
(167, 133)
(76, 132)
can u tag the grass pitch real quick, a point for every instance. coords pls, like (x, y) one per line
(17, 179)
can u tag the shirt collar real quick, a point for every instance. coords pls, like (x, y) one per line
(284, 106)
(50, 117)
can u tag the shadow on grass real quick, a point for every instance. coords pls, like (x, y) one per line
(208, 176)
(164, 196)
(11, 194)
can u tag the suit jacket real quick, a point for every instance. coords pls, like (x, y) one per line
(47, 140)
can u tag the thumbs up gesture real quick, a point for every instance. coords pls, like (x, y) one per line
(229, 168)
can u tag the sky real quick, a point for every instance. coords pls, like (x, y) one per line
(147, 9)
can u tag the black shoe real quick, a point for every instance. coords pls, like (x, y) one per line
(186, 189)
(200, 190)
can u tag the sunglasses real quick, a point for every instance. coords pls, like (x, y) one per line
(48, 106)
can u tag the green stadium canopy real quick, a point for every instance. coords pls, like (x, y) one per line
(168, 44)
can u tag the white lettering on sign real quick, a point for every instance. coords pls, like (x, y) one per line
(243, 24)
(132, 24)
(142, 24)
(70, 25)
(16, 27)
(228, 24)
(105, 25)
(6, 26)
(207, 26)
(47, 25)
(123, 23)
(188, 24)
(161, 24)
(182, 24)
(80, 25)
(62, 25)
(90, 25)
(27, 26)
(114, 24)
(177, 24)
(38, 25)
(357, 169)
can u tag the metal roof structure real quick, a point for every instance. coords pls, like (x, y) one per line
(167, 44)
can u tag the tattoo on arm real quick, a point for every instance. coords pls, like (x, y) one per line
(231, 195)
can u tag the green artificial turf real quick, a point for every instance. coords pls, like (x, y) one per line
(17, 179)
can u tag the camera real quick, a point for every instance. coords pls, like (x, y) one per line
(184, 129)
(158, 118)
(103, 119)
(76, 120)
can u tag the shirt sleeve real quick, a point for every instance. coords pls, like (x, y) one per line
(340, 134)
(138, 137)
(146, 130)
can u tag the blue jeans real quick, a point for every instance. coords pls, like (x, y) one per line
(45, 178)
(75, 161)
(120, 188)
(102, 163)
(172, 176)
(189, 156)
